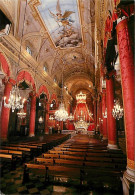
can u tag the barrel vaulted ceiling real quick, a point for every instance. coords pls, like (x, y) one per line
(60, 34)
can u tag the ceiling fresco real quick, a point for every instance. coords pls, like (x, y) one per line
(48, 23)
(61, 17)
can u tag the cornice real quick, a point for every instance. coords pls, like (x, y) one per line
(11, 47)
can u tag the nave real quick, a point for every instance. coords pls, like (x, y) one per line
(79, 165)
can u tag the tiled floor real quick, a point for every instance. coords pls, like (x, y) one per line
(11, 183)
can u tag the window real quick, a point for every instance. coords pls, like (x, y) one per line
(45, 69)
(55, 80)
(53, 105)
(28, 50)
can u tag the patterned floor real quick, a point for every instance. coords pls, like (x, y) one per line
(11, 183)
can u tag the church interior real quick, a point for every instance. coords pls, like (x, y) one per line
(67, 97)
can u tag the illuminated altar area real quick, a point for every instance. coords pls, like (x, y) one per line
(82, 116)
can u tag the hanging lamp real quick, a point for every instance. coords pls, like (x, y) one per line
(15, 101)
(61, 114)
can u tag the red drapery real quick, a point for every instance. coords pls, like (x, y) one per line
(4, 65)
(24, 75)
(82, 110)
(111, 122)
(127, 76)
(43, 89)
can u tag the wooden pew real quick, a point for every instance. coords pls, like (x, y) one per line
(46, 155)
(5, 158)
(26, 151)
(102, 157)
(55, 152)
(79, 150)
(68, 162)
(16, 153)
(36, 167)
(4, 151)
(50, 170)
(87, 158)
(44, 161)
(104, 165)
(35, 150)
(80, 158)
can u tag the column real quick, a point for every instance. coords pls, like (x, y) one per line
(5, 112)
(103, 111)
(95, 113)
(61, 125)
(25, 111)
(32, 115)
(111, 122)
(47, 118)
(127, 78)
(100, 116)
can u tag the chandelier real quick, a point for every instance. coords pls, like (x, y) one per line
(90, 114)
(21, 114)
(117, 111)
(15, 101)
(61, 114)
(51, 117)
(40, 119)
(105, 113)
(71, 117)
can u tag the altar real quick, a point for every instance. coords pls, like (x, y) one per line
(81, 126)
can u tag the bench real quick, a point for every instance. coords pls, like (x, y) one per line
(104, 165)
(36, 167)
(26, 151)
(50, 155)
(47, 171)
(81, 158)
(4, 151)
(16, 153)
(44, 161)
(68, 162)
(79, 150)
(8, 158)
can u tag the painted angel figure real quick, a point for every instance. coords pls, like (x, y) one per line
(62, 19)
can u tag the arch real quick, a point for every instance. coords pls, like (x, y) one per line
(43, 89)
(54, 97)
(7, 13)
(26, 76)
(5, 65)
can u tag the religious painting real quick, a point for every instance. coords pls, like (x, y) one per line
(61, 17)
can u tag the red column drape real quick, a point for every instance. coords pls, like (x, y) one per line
(100, 116)
(71, 125)
(95, 112)
(5, 112)
(61, 125)
(127, 77)
(111, 122)
(32, 116)
(103, 111)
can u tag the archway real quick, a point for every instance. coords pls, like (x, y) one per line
(19, 126)
(6, 86)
